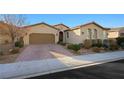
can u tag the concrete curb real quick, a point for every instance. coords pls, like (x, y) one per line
(70, 68)
(42, 67)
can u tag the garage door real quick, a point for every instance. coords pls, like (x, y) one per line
(36, 38)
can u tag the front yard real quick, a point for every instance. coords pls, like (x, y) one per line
(45, 51)
(89, 47)
(8, 58)
(10, 55)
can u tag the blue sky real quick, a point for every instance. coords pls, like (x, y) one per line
(72, 20)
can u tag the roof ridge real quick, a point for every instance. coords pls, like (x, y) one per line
(61, 24)
(92, 22)
(41, 23)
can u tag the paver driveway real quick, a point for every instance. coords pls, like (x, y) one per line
(43, 51)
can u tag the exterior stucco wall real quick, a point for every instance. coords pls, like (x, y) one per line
(74, 37)
(101, 34)
(77, 36)
(61, 27)
(113, 34)
(64, 37)
(5, 38)
(41, 29)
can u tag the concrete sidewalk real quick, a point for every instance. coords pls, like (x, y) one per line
(41, 67)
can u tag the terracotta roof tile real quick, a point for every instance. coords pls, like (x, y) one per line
(77, 27)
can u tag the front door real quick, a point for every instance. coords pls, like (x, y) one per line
(60, 36)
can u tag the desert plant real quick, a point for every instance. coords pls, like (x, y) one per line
(98, 43)
(74, 47)
(96, 49)
(19, 44)
(81, 44)
(106, 43)
(113, 44)
(14, 22)
(87, 44)
(120, 41)
(114, 47)
(6, 41)
(122, 45)
(1, 53)
(14, 50)
(94, 41)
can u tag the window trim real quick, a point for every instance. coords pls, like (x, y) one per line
(95, 33)
(67, 34)
(90, 33)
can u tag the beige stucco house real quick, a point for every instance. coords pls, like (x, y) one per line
(90, 31)
(43, 33)
(116, 32)
(62, 33)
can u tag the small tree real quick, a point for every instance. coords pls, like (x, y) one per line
(14, 24)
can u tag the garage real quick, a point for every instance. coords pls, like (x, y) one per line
(37, 38)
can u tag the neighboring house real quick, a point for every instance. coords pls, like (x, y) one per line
(91, 31)
(45, 33)
(116, 32)
(4, 34)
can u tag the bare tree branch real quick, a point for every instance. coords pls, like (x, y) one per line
(14, 23)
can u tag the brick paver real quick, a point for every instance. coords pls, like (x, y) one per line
(44, 51)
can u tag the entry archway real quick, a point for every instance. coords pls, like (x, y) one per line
(60, 36)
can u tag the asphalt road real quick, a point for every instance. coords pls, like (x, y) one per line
(112, 70)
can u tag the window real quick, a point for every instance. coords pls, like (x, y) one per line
(67, 34)
(90, 33)
(106, 34)
(95, 33)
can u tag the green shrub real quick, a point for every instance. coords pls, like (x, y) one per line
(120, 41)
(98, 43)
(122, 45)
(81, 45)
(19, 44)
(106, 43)
(14, 51)
(1, 53)
(114, 47)
(87, 44)
(74, 47)
(96, 49)
(94, 41)
(113, 44)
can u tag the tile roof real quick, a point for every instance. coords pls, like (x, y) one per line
(40, 24)
(77, 27)
(119, 29)
(61, 24)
